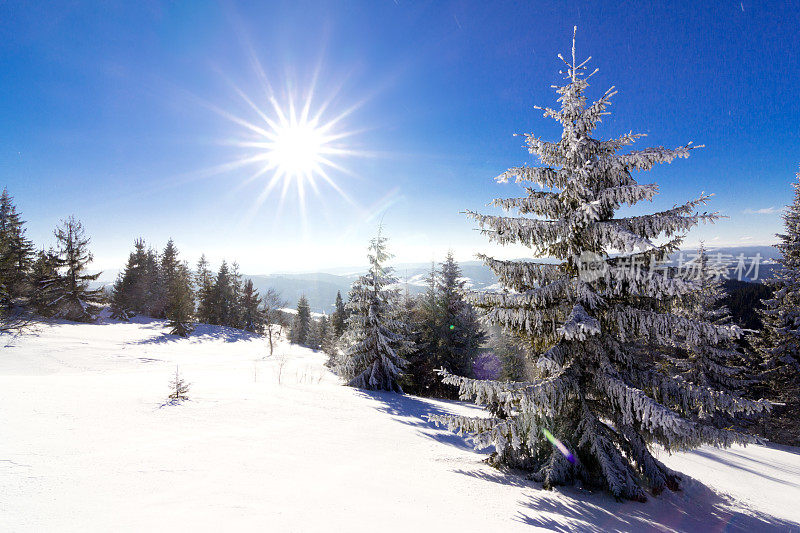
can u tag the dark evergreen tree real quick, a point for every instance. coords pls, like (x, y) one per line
(176, 290)
(237, 311)
(252, 318)
(131, 291)
(16, 253)
(44, 280)
(460, 331)
(301, 327)
(152, 286)
(339, 316)
(203, 286)
(219, 301)
(318, 332)
(447, 333)
(73, 300)
(424, 319)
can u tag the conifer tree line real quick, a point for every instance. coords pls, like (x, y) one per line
(163, 286)
(50, 282)
(322, 333)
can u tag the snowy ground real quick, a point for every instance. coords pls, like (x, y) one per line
(85, 444)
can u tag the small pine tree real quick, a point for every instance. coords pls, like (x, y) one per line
(378, 342)
(778, 343)
(72, 298)
(179, 389)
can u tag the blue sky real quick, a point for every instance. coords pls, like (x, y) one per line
(120, 113)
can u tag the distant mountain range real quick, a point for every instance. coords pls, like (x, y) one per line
(321, 287)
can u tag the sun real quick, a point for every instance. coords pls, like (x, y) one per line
(297, 149)
(293, 145)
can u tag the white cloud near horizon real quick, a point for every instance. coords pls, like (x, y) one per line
(771, 210)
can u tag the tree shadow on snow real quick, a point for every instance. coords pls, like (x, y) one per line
(738, 461)
(414, 411)
(695, 508)
(201, 332)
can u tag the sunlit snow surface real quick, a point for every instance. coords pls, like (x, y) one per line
(85, 446)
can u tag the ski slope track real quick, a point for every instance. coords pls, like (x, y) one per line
(278, 444)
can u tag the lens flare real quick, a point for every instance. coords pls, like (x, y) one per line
(558, 444)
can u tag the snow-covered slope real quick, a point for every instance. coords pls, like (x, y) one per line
(277, 444)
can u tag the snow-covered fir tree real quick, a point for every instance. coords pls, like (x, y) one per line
(593, 318)
(71, 297)
(778, 343)
(376, 337)
(717, 366)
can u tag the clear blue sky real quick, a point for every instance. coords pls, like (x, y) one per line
(115, 112)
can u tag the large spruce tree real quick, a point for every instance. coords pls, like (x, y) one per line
(594, 318)
(778, 343)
